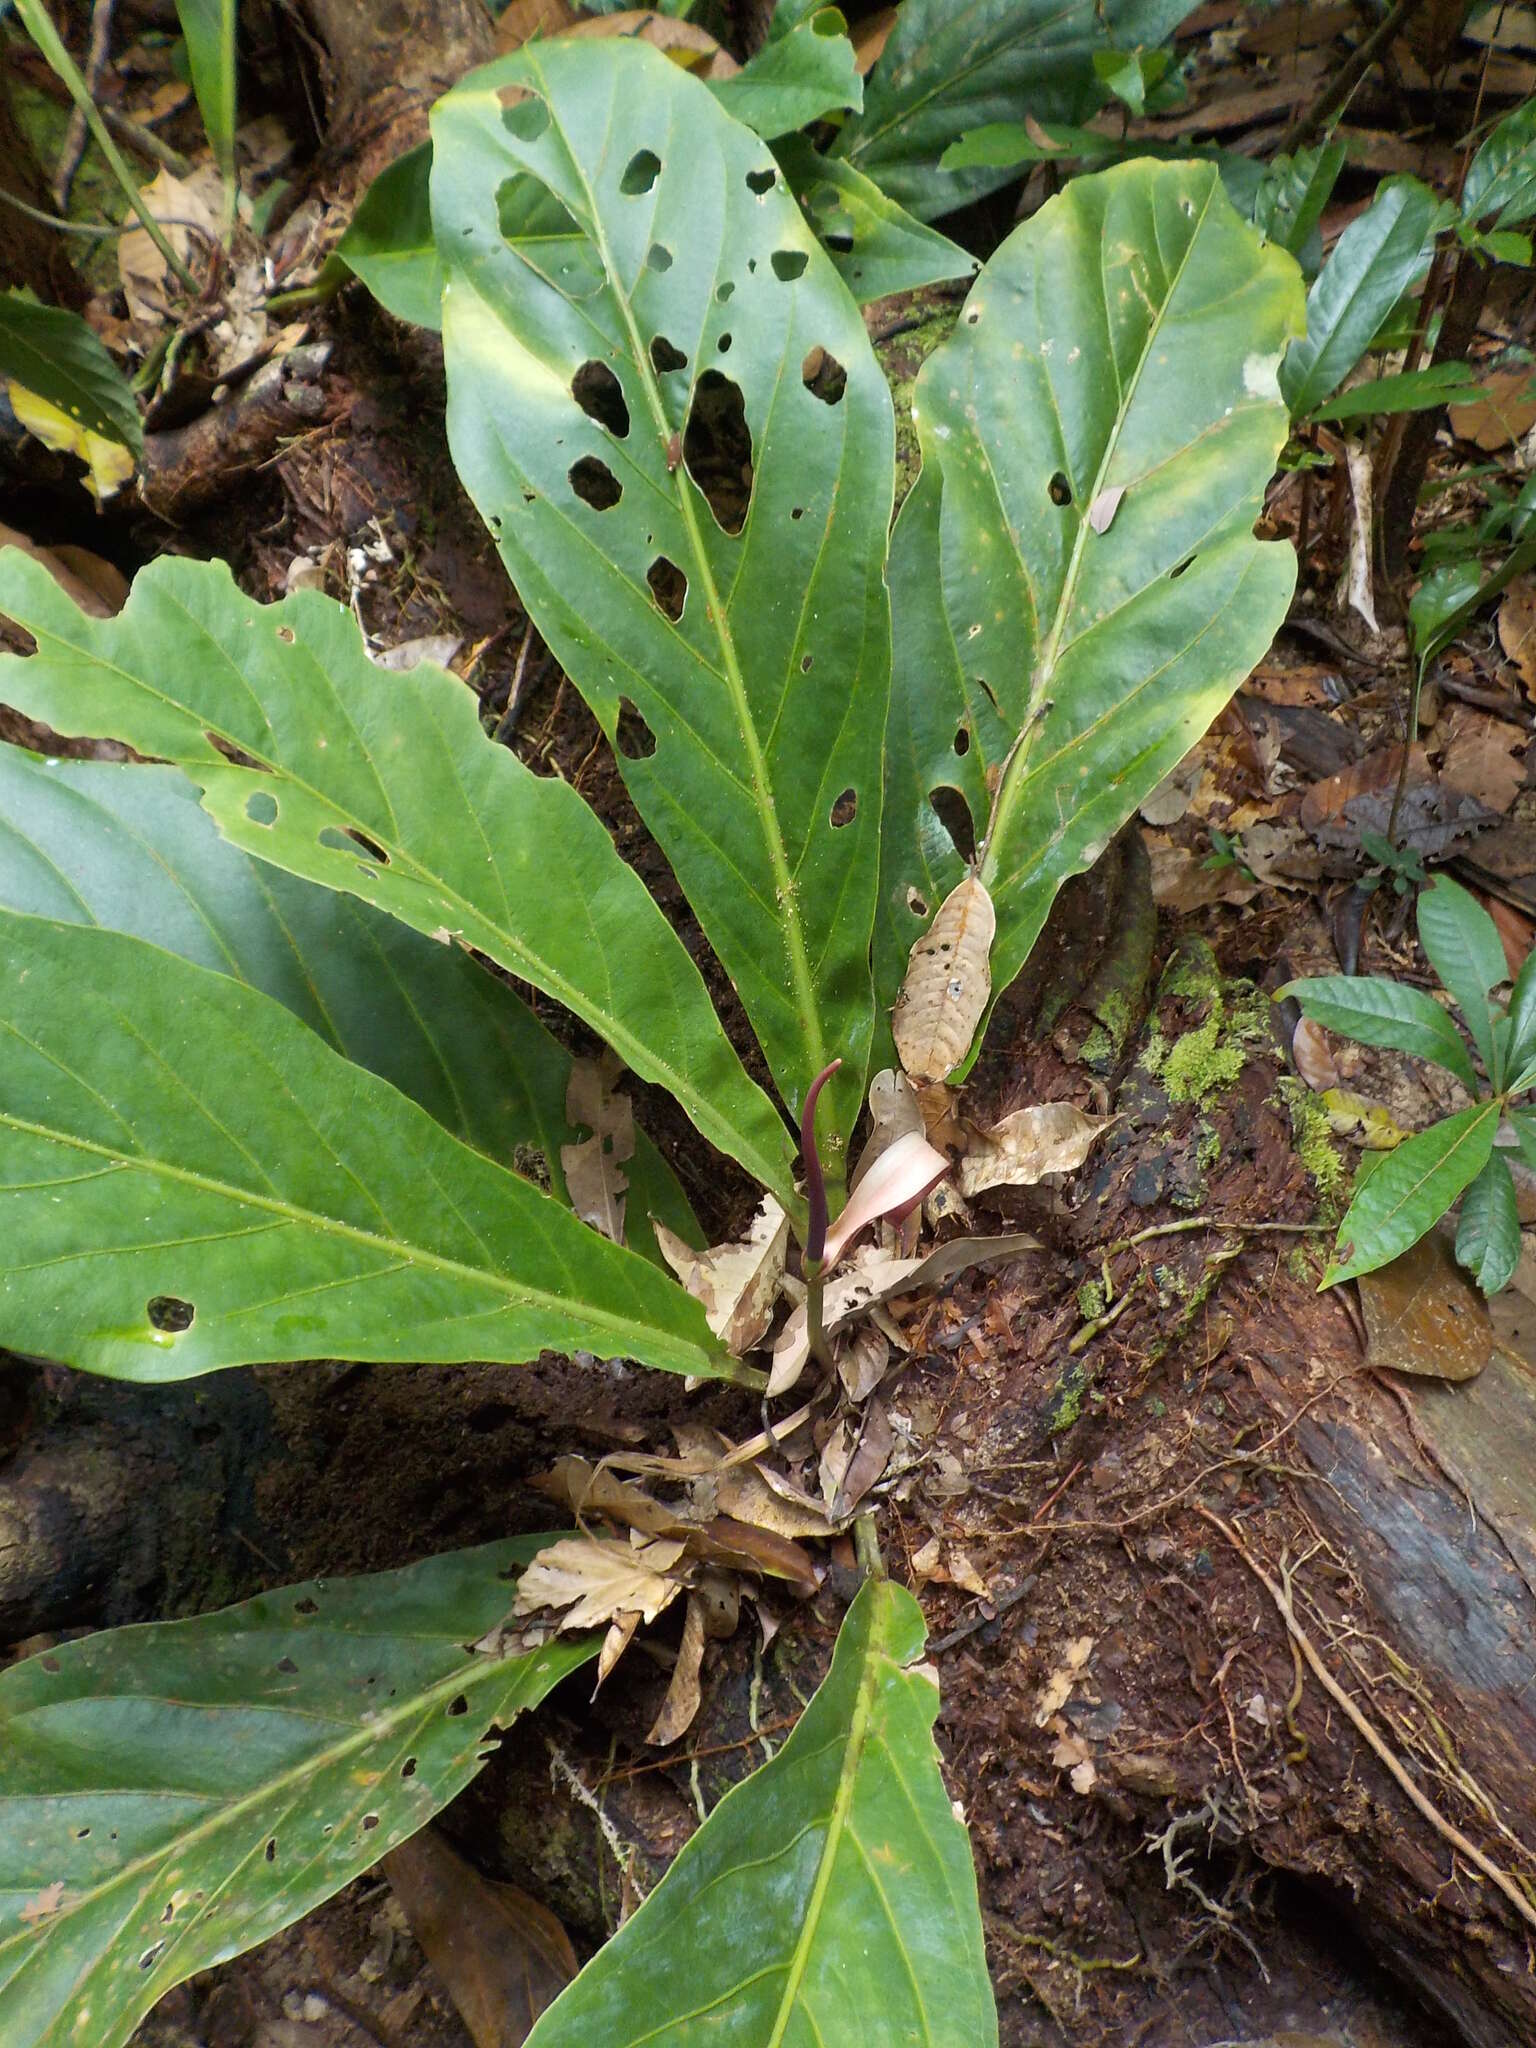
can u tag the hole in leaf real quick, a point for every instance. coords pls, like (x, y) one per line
(306, 1606)
(1060, 490)
(147, 1960)
(788, 264)
(962, 741)
(271, 1849)
(640, 173)
(669, 586)
(972, 317)
(285, 634)
(761, 181)
(633, 737)
(458, 1705)
(845, 810)
(724, 344)
(752, 265)
(595, 483)
(286, 1664)
(370, 1822)
(838, 234)
(261, 807)
(987, 691)
(82, 1834)
(717, 447)
(169, 1312)
(408, 1768)
(658, 257)
(601, 397)
(797, 512)
(805, 663)
(723, 292)
(169, 1914)
(1179, 567)
(823, 375)
(347, 839)
(665, 357)
(917, 903)
(955, 816)
(524, 116)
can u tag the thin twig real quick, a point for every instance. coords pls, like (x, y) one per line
(1446, 1829)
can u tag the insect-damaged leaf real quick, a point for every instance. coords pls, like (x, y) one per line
(383, 785)
(1048, 675)
(128, 847)
(674, 424)
(173, 1794)
(190, 1178)
(737, 1283)
(830, 1896)
(1046, 1137)
(948, 981)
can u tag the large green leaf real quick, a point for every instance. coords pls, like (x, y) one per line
(1114, 368)
(829, 1899)
(1376, 259)
(1488, 1235)
(1379, 1011)
(1462, 944)
(876, 245)
(765, 699)
(174, 1794)
(1411, 1190)
(950, 65)
(98, 842)
(190, 1178)
(55, 354)
(383, 784)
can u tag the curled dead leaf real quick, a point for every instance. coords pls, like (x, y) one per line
(1046, 1137)
(1313, 1055)
(593, 1171)
(737, 1283)
(947, 984)
(683, 1693)
(594, 1578)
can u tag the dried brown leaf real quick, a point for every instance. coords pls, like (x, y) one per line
(1505, 412)
(947, 985)
(595, 1578)
(862, 1361)
(682, 1701)
(594, 1490)
(1484, 757)
(1423, 1315)
(1517, 628)
(1313, 1054)
(502, 1955)
(683, 41)
(896, 1113)
(593, 1168)
(737, 1283)
(1047, 1137)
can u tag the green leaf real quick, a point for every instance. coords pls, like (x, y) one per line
(1463, 946)
(876, 246)
(795, 78)
(766, 695)
(1378, 256)
(127, 847)
(209, 28)
(1122, 340)
(174, 1794)
(1488, 1235)
(1523, 1122)
(1449, 597)
(190, 1178)
(1412, 1189)
(1377, 1011)
(1410, 391)
(354, 763)
(390, 244)
(58, 356)
(1290, 201)
(829, 1898)
(946, 69)
(1501, 180)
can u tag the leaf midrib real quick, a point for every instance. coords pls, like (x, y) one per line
(300, 1218)
(785, 887)
(1013, 769)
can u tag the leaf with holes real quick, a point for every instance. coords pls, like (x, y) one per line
(172, 1795)
(683, 443)
(840, 1870)
(877, 246)
(946, 69)
(382, 784)
(190, 1178)
(1126, 337)
(97, 842)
